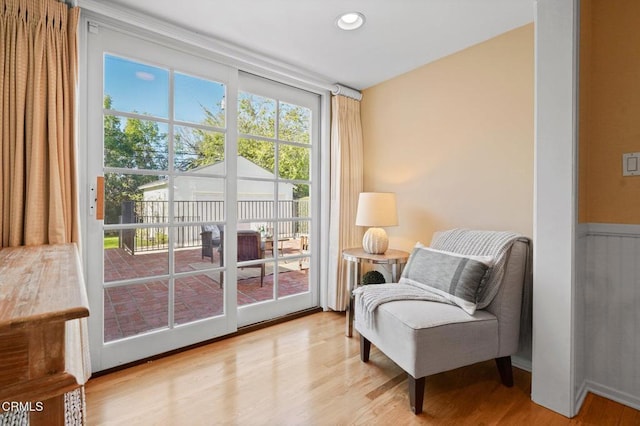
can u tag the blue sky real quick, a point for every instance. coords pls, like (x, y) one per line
(142, 88)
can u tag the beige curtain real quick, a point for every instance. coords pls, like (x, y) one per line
(38, 74)
(346, 185)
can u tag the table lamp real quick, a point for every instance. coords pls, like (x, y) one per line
(376, 209)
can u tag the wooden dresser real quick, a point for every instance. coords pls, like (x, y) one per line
(44, 354)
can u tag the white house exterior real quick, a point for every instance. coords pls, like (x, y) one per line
(194, 188)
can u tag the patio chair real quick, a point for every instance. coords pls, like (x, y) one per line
(211, 239)
(249, 248)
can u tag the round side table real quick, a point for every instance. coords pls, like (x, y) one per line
(355, 257)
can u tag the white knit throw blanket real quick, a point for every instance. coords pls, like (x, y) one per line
(462, 241)
(372, 296)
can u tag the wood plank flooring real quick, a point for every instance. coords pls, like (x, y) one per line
(306, 372)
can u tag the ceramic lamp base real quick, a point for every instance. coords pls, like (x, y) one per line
(375, 241)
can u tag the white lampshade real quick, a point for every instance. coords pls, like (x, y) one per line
(376, 209)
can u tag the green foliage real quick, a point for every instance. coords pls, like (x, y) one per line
(372, 277)
(294, 123)
(256, 115)
(195, 147)
(111, 242)
(138, 144)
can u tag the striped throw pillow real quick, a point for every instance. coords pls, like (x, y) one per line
(453, 277)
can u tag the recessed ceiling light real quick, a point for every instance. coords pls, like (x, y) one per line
(350, 21)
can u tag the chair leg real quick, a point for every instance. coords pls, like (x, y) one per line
(365, 349)
(261, 275)
(505, 370)
(416, 393)
(221, 278)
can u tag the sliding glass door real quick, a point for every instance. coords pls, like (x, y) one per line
(201, 215)
(277, 146)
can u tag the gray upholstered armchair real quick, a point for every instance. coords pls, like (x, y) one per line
(426, 337)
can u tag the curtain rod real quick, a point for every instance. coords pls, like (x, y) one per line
(346, 91)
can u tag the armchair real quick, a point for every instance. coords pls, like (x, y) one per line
(426, 337)
(249, 248)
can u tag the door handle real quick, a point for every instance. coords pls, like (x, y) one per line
(96, 199)
(100, 198)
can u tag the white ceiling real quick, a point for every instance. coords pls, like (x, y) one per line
(398, 36)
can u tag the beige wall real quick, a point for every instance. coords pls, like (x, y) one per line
(609, 110)
(454, 140)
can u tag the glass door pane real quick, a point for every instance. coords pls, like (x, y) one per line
(274, 191)
(164, 144)
(178, 202)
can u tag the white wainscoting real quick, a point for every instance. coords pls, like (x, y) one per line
(610, 296)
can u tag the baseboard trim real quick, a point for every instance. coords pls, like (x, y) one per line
(580, 396)
(521, 363)
(612, 394)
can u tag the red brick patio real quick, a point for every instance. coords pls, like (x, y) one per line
(137, 308)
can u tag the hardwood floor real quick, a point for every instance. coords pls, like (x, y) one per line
(306, 372)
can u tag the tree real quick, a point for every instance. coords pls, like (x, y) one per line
(293, 160)
(256, 116)
(138, 144)
(195, 147)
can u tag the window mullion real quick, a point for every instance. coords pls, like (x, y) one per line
(171, 194)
